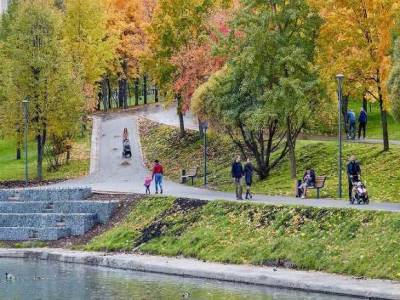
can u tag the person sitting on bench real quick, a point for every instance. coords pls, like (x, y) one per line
(308, 181)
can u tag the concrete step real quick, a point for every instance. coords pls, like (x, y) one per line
(33, 233)
(77, 223)
(103, 209)
(45, 194)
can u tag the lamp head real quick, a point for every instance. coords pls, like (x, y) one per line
(340, 77)
(204, 125)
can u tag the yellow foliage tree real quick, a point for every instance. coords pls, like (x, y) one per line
(355, 40)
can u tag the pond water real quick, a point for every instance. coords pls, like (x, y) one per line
(36, 280)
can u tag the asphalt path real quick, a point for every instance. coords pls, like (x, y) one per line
(110, 172)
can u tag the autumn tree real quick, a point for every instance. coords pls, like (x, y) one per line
(394, 80)
(87, 41)
(176, 26)
(127, 21)
(269, 88)
(40, 71)
(361, 48)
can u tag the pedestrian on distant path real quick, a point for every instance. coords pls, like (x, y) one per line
(351, 118)
(237, 174)
(158, 173)
(353, 173)
(125, 135)
(362, 122)
(248, 177)
(147, 183)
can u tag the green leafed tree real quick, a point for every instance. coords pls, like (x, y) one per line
(269, 88)
(39, 70)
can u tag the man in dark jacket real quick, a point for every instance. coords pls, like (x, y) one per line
(353, 173)
(362, 122)
(237, 174)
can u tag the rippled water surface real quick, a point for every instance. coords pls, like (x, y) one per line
(53, 280)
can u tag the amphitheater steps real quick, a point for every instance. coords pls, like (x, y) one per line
(50, 214)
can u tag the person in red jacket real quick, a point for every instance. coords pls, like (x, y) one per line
(158, 173)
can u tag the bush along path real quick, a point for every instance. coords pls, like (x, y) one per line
(351, 242)
(163, 142)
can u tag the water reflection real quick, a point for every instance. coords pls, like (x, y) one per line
(51, 280)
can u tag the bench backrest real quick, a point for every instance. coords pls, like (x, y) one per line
(320, 181)
(192, 172)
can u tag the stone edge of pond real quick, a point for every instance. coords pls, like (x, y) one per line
(310, 281)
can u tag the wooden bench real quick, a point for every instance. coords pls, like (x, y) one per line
(192, 173)
(319, 184)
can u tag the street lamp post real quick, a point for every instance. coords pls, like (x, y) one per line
(25, 103)
(204, 126)
(340, 78)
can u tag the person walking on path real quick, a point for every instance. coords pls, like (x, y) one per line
(248, 177)
(351, 117)
(353, 173)
(362, 122)
(147, 183)
(237, 174)
(158, 173)
(125, 135)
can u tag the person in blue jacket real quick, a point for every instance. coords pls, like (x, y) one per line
(362, 122)
(237, 174)
(351, 118)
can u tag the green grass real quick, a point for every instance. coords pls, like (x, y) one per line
(352, 242)
(12, 169)
(122, 236)
(378, 168)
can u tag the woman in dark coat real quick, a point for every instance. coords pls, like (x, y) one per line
(248, 176)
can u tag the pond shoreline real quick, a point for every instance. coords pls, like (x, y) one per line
(309, 281)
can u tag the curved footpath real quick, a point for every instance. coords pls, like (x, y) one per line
(111, 173)
(266, 276)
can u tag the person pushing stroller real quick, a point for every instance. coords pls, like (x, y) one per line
(357, 190)
(126, 146)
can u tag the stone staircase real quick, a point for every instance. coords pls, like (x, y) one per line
(50, 214)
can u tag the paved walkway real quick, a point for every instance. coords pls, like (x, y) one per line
(267, 276)
(115, 174)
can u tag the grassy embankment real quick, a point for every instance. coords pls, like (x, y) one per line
(12, 169)
(379, 171)
(358, 243)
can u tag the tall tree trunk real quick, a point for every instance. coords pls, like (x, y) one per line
(109, 90)
(155, 94)
(365, 103)
(291, 149)
(180, 115)
(385, 133)
(104, 93)
(18, 154)
(145, 89)
(136, 91)
(122, 96)
(41, 139)
(345, 107)
(99, 100)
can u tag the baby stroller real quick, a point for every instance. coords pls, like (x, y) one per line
(359, 192)
(126, 149)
